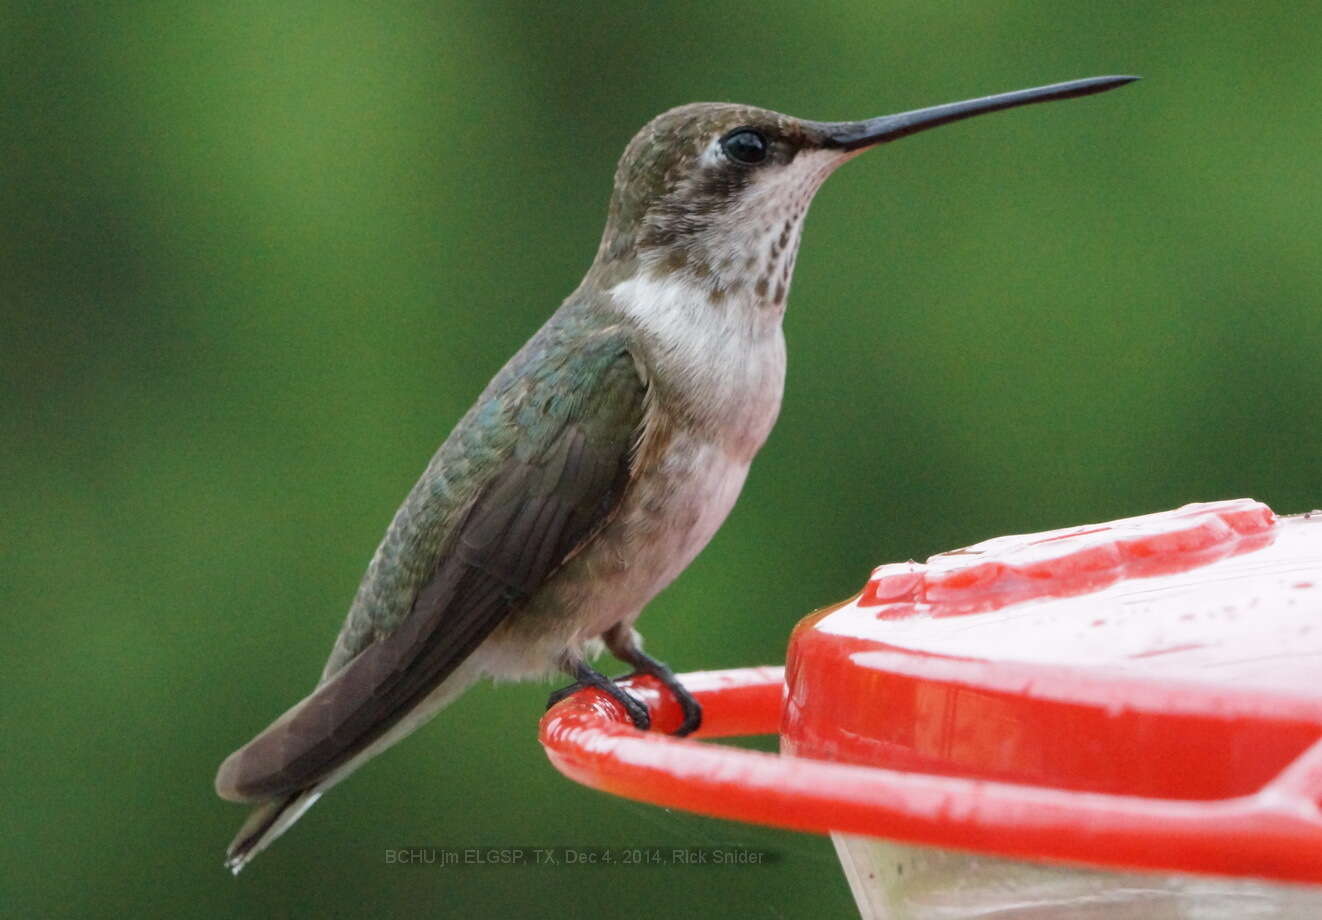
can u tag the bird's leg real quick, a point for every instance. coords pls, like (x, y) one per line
(625, 644)
(586, 676)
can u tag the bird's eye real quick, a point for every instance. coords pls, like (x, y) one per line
(745, 146)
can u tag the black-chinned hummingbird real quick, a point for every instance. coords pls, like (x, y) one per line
(598, 462)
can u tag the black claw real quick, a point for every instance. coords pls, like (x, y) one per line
(642, 719)
(689, 706)
(692, 711)
(564, 693)
(587, 677)
(624, 644)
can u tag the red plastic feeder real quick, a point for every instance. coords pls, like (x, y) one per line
(1122, 718)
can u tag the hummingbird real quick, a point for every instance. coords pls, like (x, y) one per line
(600, 459)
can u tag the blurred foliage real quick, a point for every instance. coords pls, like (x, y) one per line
(258, 257)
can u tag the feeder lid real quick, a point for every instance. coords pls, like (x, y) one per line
(1176, 655)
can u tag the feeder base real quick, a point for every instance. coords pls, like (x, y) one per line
(897, 881)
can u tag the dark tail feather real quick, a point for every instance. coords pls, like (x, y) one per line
(265, 823)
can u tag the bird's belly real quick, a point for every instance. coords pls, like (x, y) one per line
(673, 513)
(670, 514)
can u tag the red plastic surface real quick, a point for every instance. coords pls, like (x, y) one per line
(1143, 694)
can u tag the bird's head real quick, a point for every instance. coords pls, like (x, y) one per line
(716, 193)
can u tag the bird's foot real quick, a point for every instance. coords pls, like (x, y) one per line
(688, 705)
(587, 677)
(625, 644)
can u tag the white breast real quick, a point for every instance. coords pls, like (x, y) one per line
(725, 360)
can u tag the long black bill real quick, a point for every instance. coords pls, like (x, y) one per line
(853, 135)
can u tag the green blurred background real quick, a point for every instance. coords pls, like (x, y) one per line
(256, 258)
